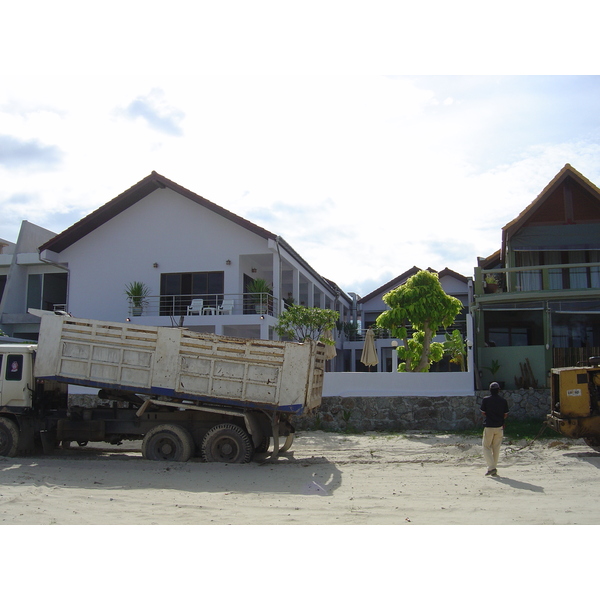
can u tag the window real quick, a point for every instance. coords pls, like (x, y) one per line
(508, 335)
(514, 328)
(2, 285)
(14, 367)
(562, 278)
(575, 330)
(178, 289)
(44, 290)
(528, 281)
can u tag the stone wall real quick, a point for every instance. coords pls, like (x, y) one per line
(444, 413)
(439, 413)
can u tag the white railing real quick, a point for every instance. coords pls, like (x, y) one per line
(210, 305)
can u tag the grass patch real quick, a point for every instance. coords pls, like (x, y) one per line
(528, 430)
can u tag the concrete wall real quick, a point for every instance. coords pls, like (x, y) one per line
(398, 384)
(436, 413)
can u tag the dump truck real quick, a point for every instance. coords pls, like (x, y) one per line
(575, 402)
(182, 393)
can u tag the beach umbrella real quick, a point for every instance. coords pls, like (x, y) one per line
(330, 351)
(369, 354)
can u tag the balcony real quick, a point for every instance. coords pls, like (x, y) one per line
(212, 305)
(536, 282)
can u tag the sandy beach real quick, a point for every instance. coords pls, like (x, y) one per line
(325, 479)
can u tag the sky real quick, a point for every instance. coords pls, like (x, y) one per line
(372, 137)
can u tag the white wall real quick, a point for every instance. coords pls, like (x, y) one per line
(163, 228)
(398, 384)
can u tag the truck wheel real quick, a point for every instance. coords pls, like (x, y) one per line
(593, 443)
(168, 442)
(227, 443)
(9, 437)
(263, 445)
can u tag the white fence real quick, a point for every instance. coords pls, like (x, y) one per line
(398, 384)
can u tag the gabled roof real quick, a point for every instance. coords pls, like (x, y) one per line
(143, 188)
(450, 273)
(128, 198)
(566, 173)
(394, 283)
(489, 262)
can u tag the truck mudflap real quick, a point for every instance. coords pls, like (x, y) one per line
(581, 427)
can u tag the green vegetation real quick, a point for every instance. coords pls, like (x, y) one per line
(137, 291)
(422, 303)
(303, 323)
(455, 347)
(527, 430)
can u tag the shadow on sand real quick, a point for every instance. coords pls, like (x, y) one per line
(520, 485)
(89, 468)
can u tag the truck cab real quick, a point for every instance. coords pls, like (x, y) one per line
(16, 376)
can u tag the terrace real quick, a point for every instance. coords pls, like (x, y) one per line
(541, 316)
(535, 282)
(210, 305)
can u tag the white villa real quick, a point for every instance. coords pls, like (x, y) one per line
(197, 259)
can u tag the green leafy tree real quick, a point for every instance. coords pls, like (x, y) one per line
(302, 323)
(455, 347)
(422, 303)
(411, 352)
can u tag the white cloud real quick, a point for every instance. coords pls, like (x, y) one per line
(311, 122)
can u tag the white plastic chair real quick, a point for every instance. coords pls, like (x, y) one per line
(226, 307)
(195, 307)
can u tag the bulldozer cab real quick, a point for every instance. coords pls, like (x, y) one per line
(575, 402)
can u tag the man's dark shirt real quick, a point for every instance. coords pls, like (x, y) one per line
(494, 407)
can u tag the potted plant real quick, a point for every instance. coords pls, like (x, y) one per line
(137, 291)
(289, 301)
(260, 292)
(493, 370)
(492, 283)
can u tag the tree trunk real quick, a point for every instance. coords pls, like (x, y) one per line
(408, 360)
(424, 362)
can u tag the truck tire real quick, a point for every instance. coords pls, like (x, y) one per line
(263, 445)
(593, 443)
(168, 442)
(227, 443)
(9, 437)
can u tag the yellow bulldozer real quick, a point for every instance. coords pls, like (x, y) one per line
(575, 402)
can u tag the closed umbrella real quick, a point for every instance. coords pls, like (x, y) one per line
(330, 351)
(369, 354)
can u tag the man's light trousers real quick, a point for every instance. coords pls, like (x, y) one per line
(492, 439)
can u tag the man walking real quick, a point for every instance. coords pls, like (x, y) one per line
(495, 410)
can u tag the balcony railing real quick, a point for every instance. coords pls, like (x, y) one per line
(211, 305)
(546, 278)
(358, 335)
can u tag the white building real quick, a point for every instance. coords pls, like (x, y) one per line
(369, 307)
(183, 248)
(26, 281)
